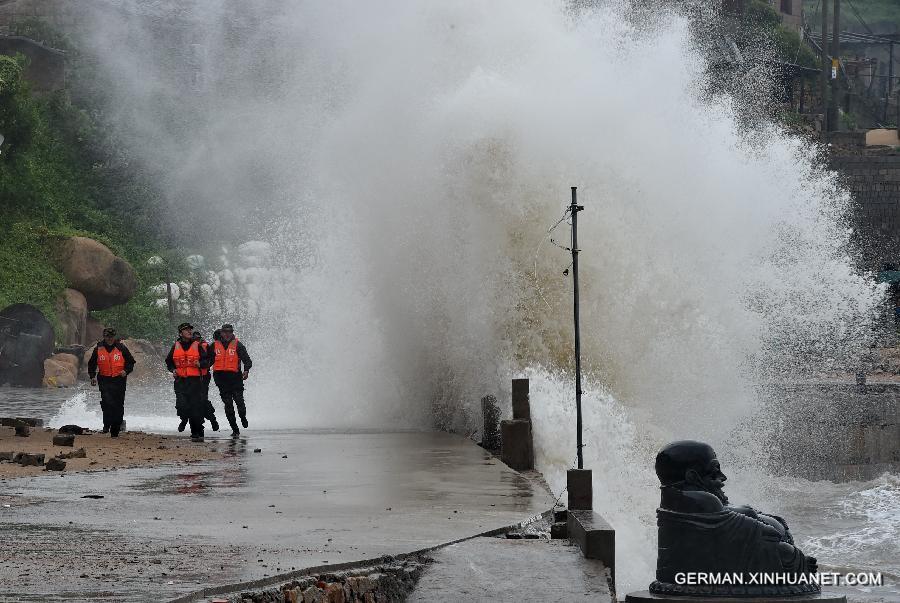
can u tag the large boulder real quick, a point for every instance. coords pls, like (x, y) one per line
(149, 362)
(93, 332)
(72, 312)
(90, 267)
(26, 340)
(58, 373)
(70, 360)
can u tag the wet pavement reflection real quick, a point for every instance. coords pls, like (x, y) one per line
(306, 498)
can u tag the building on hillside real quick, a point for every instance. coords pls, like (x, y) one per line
(791, 12)
(46, 67)
(733, 6)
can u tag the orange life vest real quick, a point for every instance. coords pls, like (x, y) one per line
(226, 358)
(204, 371)
(186, 360)
(110, 364)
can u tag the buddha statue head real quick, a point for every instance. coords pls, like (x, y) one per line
(691, 466)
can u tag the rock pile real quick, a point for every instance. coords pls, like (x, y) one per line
(36, 459)
(388, 582)
(23, 427)
(97, 279)
(240, 280)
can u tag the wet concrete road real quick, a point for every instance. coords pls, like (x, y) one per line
(163, 532)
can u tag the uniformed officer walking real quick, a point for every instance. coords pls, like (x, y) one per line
(109, 366)
(231, 367)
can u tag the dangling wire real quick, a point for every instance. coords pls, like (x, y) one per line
(537, 252)
(560, 221)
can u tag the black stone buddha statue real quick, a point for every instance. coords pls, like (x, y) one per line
(700, 532)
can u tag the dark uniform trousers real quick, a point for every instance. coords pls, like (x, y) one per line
(112, 401)
(209, 411)
(190, 402)
(231, 389)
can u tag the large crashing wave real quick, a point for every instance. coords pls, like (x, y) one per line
(420, 151)
(424, 149)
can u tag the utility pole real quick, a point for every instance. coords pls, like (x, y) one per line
(835, 66)
(574, 209)
(890, 81)
(826, 67)
(580, 481)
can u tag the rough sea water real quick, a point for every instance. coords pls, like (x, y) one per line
(406, 160)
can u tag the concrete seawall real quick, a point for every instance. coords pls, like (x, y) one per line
(834, 430)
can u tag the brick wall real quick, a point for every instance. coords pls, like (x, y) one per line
(874, 181)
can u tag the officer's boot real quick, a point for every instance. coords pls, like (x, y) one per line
(232, 422)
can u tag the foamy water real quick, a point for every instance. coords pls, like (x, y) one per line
(146, 410)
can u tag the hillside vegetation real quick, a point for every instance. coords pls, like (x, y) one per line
(54, 184)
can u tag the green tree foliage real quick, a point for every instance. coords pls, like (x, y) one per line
(761, 15)
(765, 22)
(791, 49)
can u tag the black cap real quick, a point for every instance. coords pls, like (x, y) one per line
(109, 332)
(227, 327)
(185, 325)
